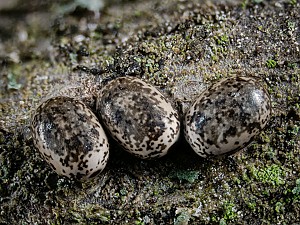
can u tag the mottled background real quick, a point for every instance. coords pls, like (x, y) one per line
(72, 47)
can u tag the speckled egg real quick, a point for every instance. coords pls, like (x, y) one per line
(227, 116)
(139, 117)
(70, 138)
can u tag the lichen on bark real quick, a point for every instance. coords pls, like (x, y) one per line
(181, 47)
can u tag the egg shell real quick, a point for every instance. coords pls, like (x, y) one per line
(227, 116)
(69, 137)
(138, 116)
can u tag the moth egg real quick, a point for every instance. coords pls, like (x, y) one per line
(69, 137)
(138, 117)
(227, 116)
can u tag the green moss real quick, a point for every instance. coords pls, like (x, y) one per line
(183, 43)
(244, 4)
(222, 39)
(185, 175)
(279, 207)
(139, 222)
(12, 82)
(91, 214)
(271, 63)
(215, 58)
(293, 2)
(251, 205)
(291, 25)
(229, 211)
(257, 1)
(296, 189)
(273, 175)
(222, 222)
(183, 218)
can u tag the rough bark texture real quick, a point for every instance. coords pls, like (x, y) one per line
(181, 47)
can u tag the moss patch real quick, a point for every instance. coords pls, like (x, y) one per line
(181, 47)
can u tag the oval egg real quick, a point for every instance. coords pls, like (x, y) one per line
(227, 116)
(70, 138)
(139, 117)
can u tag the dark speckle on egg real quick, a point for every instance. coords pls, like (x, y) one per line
(227, 116)
(69, 137)
(138, 116)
